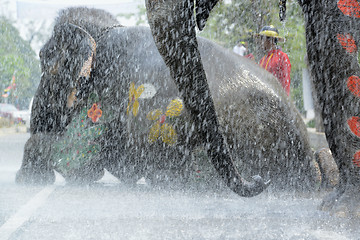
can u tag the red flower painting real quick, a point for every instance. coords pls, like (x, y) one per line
(350, 8)
(94, 113)
(347, 42)
(353, 85)
(354, 125)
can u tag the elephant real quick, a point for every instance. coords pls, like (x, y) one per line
(49, 116)
(148, 125)
(332, 36)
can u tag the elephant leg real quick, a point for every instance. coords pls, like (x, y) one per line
(166, 166)
(88, 175)
(332, 53)
(36, 166)
(173, 27)
(120, 158)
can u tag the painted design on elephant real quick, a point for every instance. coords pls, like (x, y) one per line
(134, 94)
(347, 42)
(354, 125)
(94, 113)
(349, 8)
(71, 98)
(160, 129)
(353, 84)
(149, 91)
(78, 146)
(86, 68)
(356, 159)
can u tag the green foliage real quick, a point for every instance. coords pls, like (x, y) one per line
(140, 17)
(239, 19)
(19, 60)
(311, 123)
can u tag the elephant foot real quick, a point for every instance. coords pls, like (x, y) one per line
(36, 167)
(343, 203)
(85, 177)
(27, 176)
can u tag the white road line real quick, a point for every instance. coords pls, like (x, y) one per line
(25, 212)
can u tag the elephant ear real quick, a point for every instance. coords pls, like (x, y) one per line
(78, 50)
(203, 9)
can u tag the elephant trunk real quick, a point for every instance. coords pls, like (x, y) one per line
(173, 27)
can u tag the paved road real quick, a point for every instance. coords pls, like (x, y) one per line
(109, 210)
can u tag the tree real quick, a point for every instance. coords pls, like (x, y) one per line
(19, 60)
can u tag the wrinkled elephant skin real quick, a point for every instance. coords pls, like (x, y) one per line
(332, 35)
(149, 130)
(173, 27)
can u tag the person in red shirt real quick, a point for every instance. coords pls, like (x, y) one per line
(275, 61)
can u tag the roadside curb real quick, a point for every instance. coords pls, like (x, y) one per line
(317, 139)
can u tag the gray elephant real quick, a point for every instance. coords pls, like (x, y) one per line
(52, 107)
(333, 58)
(332, 35)
(147, 126)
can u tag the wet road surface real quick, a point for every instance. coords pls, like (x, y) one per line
(110, 210)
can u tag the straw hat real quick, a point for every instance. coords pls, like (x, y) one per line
(270, 31)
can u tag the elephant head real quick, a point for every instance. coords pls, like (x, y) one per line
(173, 28)
(66, 61)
